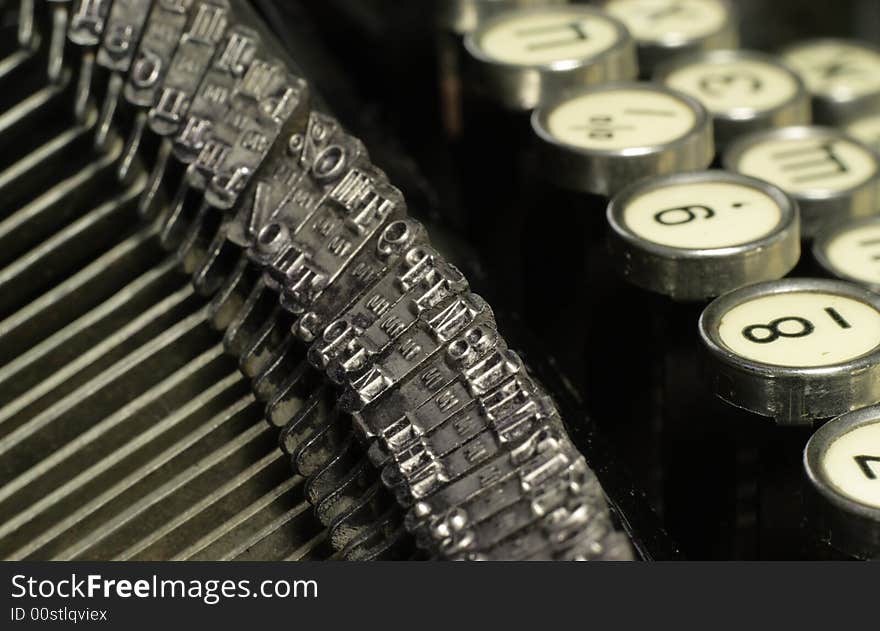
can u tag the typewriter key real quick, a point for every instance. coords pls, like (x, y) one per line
(455, 19)
(843, 77)
(796, 350)
(831, 176)
(851, 251)
(519, 59)
(600, 139)
(693, 236)
(842, 462)
(866, 129)
(667, 28)
(744, 91)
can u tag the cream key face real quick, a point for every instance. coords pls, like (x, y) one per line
(735, 86)
(621, 119)
(548, 36)
(703, 215)
(836, 69)
(855, 252)
(851, 464)
(670, 22)
(866, 130)
(801, 329)
(819, 165)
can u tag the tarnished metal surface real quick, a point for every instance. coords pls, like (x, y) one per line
(196, 258)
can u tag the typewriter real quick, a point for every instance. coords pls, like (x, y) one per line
(456, 280)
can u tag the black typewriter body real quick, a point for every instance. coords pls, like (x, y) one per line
(155, 391)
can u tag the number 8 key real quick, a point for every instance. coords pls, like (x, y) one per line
(797, 350)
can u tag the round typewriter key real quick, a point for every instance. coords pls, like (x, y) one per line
(667, 28)
(842, 75)
(455, 19)
(851, 251)
(842, 462)
(831, 176)
(693, 236)
(866, 129)
(521, 58)
(744, 91)
(600, 139)
(796, 350)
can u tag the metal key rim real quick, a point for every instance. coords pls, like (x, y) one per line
(790, 395)
(722, 305)
(819, 444)
(777, 251)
